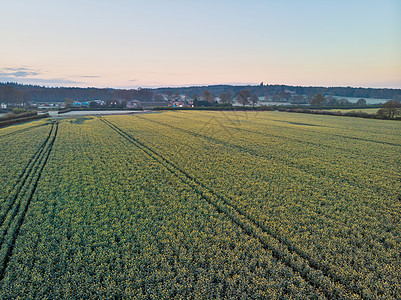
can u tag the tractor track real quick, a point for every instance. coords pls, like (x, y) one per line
(256, 153)
(317, 276)
(9, 202)
(13, 215)
(337, 135)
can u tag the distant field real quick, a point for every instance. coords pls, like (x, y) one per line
(368, 100)
(366, 110)
(197, 204)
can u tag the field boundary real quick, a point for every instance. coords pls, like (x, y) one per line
(22, 120)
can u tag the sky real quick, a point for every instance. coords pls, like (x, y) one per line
(159, 43)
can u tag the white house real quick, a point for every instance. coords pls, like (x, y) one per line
(133, 104)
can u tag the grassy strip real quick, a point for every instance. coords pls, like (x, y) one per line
(11, 116)
(66, 110)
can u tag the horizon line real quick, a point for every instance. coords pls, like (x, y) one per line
(200, 86)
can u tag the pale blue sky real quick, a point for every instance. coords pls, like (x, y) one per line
(133, 44)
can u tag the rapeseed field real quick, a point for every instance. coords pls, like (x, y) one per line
(198, 204)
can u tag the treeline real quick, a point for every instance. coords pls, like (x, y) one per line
(12, 96)
(11, 93)
(286, 90)
(19, 93)
(391, 110)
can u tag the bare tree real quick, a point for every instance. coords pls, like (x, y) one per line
(284, 96)
(361, 101)
(68, 102)
(254, 100)
(177, 97)
(11, 96)
(318, 100)
(390, 109)
(207, 96)
(243, 97)
(159, 98)
(169, 95)
(226, 97)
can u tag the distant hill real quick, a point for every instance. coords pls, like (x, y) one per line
(263, 90)
(59, 94)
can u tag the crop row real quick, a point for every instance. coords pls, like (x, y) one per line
(108, 220)
(281, 250)
(14, 208)
(387, 182)
(357, 148)
(325, 167)
(345, 230)
(211, 205)
(16, 152)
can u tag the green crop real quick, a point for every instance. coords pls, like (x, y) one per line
(201, 205)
